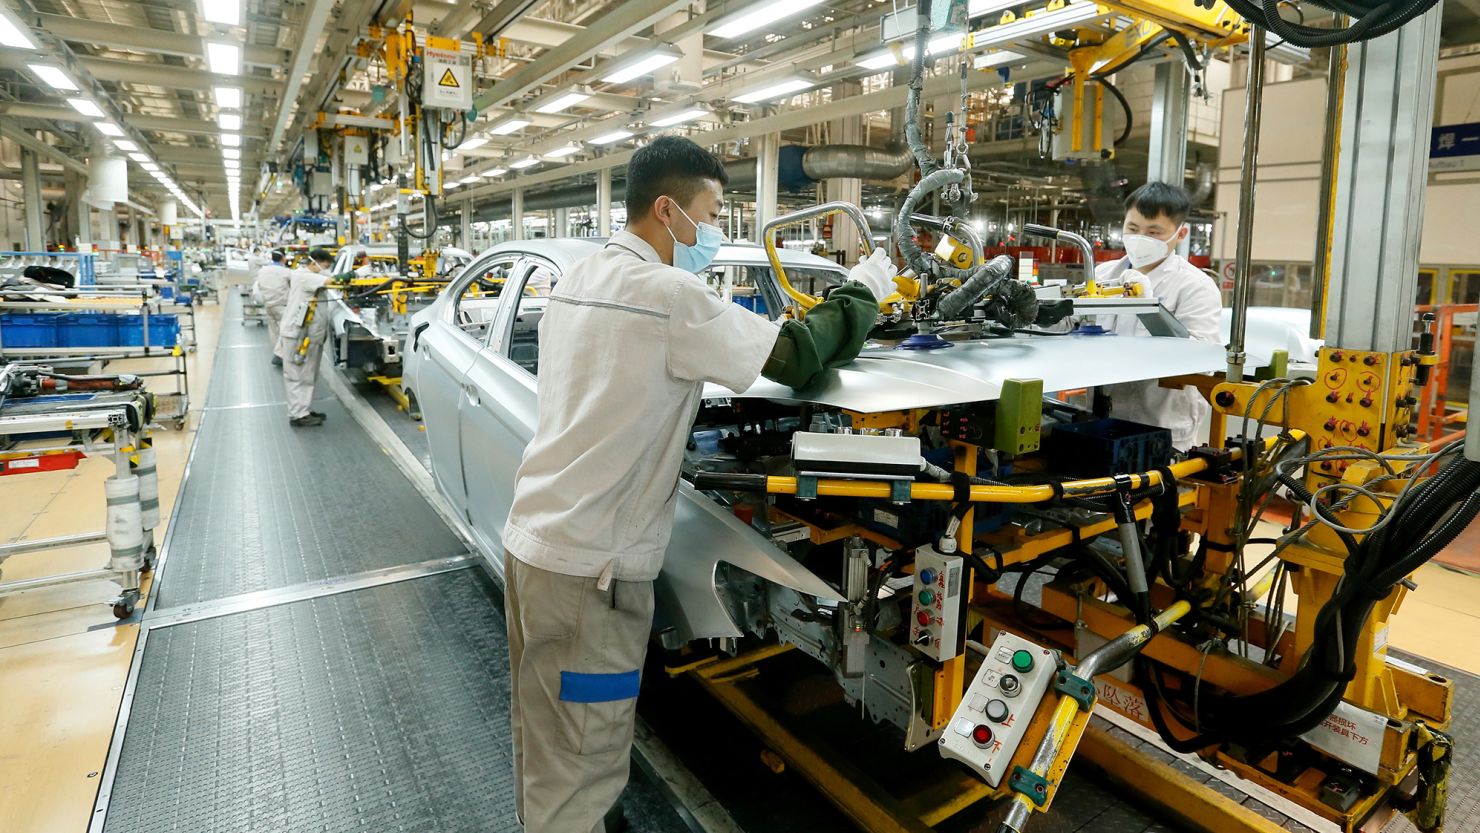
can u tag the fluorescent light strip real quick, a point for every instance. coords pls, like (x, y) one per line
(229, 97)
(562, 102)
(561, 153)
(626, 71)
(467, 180)
(612, 137)
(229, 121)
(231, 140)
(448, 186)
(54, 78)
(493, 172)
(526, 162)
(228, 12)
(775, 89)
(108, 128)
(86, 108)
(138, 157)
(12, 35)
(231, 153)
(224, 58)
(125, 145)
(473, 143)
(679, 118)
(761, 15)
(886, 59)
(510, 126)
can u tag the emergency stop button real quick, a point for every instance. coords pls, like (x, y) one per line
(1022, 661)
(981, 736)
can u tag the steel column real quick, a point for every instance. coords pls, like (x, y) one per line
(1330, 147)
(767, 160)
(516, 214)
(1168, 153)
(33, 205)
(604, 202)
(1381, 176)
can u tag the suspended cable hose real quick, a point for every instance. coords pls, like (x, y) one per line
(1372, 19)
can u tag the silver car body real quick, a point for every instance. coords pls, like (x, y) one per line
(479, 405)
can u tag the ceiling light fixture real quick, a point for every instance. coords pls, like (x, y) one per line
(86, 108)
(888, 58)
(229, 121)
(231, 153)
(229, 97)
(526, 162)
(468, 180)
(640, 62)
(224, 58)
(228, 12)
(562, 152)
(149, 166)
(760, 15)
(509, 126)
(12, 34)
(231, 140)
(564, 100)
(450, 184)
(682, 116)
(108, 128)
(138, 157)
(54, 78)
(125, 145)
(612, 137)
(493, 172)
(776, 89)
(473, 143)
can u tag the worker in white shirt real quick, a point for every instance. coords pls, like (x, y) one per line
(303, 331)
(1155, 223)
(270, 289)
(629, 337)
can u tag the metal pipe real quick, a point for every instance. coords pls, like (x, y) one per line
(7, 550)
(22, 585)
(1086, 251)
(1242, 286)
(1330, 147)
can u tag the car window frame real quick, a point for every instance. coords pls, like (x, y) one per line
(471, 272)
(505, 324)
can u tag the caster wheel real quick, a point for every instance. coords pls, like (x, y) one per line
(123, 610)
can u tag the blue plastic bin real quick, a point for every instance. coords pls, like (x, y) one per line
(89, 329)
(164, 331)
(28, 330)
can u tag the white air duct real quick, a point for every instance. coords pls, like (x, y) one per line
(169, 212)
(107, 181)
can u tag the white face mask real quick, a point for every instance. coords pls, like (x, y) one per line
(1144, 251)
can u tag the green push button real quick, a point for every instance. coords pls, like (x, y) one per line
(1022, 661)
(927, 597)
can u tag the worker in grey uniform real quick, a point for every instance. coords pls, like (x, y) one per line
(629, 337)
(270, 289)
(1155, 223)
(302, 332)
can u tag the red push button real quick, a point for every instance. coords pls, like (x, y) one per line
(981, 736)
(923, 618)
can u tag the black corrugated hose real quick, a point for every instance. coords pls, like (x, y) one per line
(1372, 19)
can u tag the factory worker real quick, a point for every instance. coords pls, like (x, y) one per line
(1155, 222)
(300, 360)
(270, 289)
(629, 337)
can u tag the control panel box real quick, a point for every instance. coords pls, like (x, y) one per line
(997, 707)
(935, 606)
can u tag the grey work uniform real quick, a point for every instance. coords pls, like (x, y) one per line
(301, 370)
(626, 345)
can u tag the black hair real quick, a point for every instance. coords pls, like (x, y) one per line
(671, 166)
(277, 255)
(1156, 199)
(319, 254)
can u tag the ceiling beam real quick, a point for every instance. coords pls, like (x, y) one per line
(156, 75)
(155, 41)
(318, 15)
(626, 19)
(138, 121)
(31, 143)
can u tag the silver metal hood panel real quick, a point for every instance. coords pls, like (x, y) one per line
(890, 380)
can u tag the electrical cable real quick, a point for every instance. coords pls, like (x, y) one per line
(1125, 132)
(1373, 19)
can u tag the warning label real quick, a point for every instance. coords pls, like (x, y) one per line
(1354, 735)
(448, 79)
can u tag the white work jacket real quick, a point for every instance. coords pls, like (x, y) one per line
(271, 287)
(1193, 299)
(626, 345)
(302, 287)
